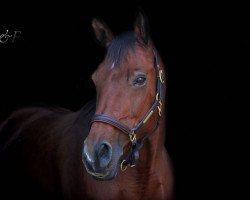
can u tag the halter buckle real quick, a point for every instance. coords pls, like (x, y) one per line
(160, 104)
(159, 108)
(161, 76)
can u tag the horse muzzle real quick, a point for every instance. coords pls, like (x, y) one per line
(101, 161)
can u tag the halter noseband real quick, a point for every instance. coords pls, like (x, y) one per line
(157, 105)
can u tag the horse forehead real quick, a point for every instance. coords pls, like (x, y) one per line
(133, 58)
(140, 57)
(139, 54)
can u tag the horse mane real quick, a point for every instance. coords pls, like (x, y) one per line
(120, 46)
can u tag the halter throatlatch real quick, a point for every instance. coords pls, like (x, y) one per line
(157, 106)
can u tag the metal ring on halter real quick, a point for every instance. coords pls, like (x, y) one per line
(122, 166)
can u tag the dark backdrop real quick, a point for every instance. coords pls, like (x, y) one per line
(206, 51)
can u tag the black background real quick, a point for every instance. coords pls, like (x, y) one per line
(205, 48)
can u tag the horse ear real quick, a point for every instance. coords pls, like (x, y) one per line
(141, 28)
(102, 32)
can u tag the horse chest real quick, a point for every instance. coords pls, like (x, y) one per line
(127, 190)
(154, 190)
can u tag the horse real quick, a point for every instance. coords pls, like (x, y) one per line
(113, 147)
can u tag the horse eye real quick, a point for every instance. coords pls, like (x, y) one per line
(140, 80)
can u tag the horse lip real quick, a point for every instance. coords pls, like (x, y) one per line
(107, 175)
(98, 176)
(90, 170)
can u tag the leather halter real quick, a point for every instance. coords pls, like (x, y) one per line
(157, 105)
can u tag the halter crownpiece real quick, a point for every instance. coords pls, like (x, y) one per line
(137, 144)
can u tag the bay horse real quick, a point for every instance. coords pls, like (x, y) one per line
(112, 148)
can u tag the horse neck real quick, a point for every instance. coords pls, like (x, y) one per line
(148, 171)
(153, 146)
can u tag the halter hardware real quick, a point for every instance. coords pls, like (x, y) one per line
(123, 166)
(148, 117)
(137, 144)
(132, 137)
(161, 76)
(159, 107)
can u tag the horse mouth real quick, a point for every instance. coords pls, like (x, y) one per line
(107, 174)
(102, 177)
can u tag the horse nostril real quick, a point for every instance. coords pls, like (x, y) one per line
(104, 154)
(86, 156)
